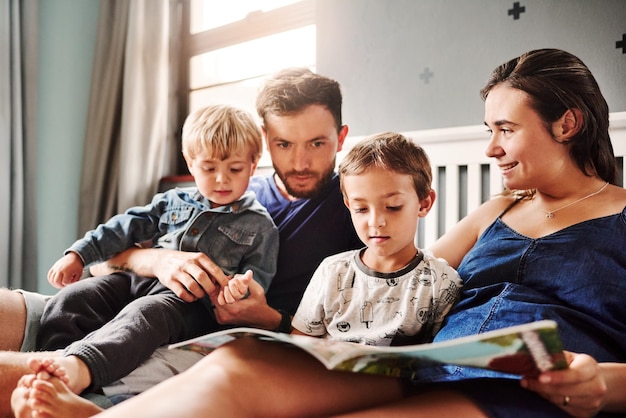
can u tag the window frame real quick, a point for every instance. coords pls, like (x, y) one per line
(255, 25)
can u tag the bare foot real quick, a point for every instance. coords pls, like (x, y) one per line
(71, 370)
(53, 398)
(14, 365)
(49, 366)
(20, 397)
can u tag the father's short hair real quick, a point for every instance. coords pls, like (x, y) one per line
(291, 90)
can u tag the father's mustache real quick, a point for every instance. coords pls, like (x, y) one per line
(300, 173)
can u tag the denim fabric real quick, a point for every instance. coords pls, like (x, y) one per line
(112, 311)
(576, 277)
(498, 398)
(236, 237)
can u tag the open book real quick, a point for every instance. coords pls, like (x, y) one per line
(526, 350)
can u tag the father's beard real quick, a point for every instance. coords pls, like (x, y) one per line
(289, 182)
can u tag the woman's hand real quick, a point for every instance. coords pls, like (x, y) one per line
(581, 390)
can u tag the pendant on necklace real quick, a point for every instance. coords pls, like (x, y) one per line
(550, 214)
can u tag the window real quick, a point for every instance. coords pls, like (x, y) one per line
(232, 74)
(230, 46)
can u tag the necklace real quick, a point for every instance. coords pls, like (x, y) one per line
(550, 213)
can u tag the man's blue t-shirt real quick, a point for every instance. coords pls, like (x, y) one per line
(309, 230)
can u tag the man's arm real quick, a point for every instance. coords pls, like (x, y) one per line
(133, 260)
(190, 275)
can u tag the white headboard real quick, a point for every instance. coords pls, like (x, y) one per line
(464, 177)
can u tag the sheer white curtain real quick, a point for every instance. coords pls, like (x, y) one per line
(18, 87)
(131, 126)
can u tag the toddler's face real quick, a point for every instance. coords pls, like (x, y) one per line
(222, 181)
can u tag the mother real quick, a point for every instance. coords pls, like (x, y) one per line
(553, 247)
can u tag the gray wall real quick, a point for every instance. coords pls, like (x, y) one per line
(377, 49)
(66, 40)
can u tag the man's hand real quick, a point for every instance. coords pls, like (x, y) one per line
(251, 311)
(189, 275)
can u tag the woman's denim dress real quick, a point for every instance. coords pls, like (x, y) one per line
(576, 277)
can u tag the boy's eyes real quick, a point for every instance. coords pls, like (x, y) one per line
(210, 169)
(389, 208)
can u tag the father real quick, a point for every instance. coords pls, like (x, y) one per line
(302, 125)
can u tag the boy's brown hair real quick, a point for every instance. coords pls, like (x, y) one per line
(389, 151)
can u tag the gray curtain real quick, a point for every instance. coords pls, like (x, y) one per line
(18, 143)
(131, 127)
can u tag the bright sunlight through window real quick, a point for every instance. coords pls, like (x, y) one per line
(235, 44)
(209, 14)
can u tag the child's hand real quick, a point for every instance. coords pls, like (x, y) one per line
(236, 289)
(67, 270)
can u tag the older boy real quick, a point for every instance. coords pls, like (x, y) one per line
(390, 292)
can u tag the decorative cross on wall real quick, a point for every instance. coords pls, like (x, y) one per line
(622, 44)
(426, 75)
(516, 10)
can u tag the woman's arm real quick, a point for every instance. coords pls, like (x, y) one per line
(459, 239)
(614, 375)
